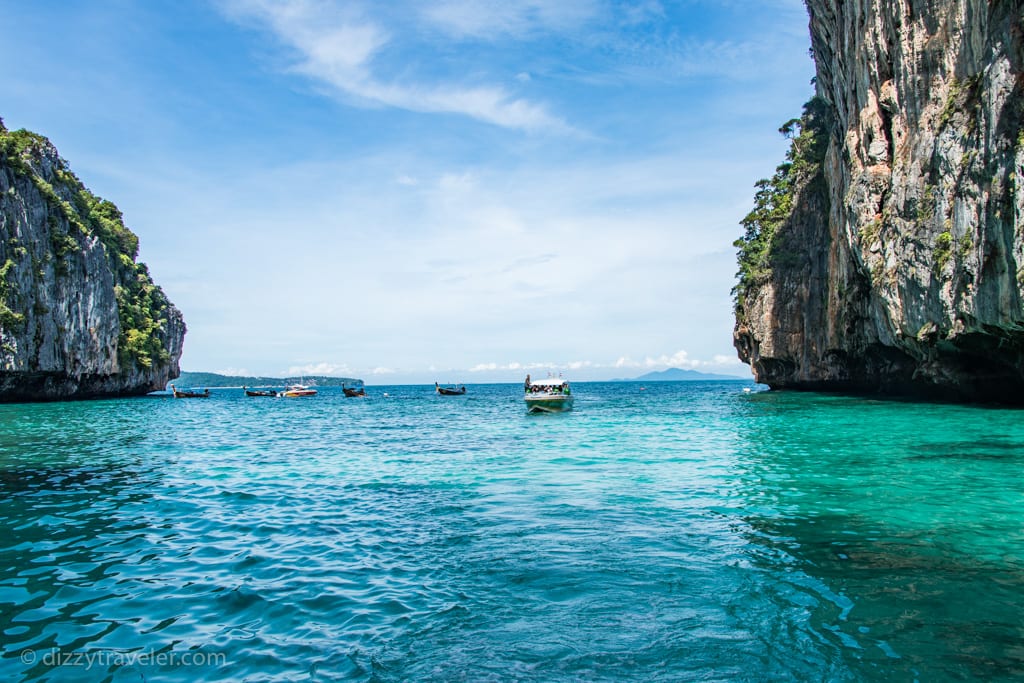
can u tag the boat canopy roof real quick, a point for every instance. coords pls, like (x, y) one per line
(548, 382)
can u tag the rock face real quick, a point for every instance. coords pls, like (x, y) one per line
(79, 317)
(908, 274)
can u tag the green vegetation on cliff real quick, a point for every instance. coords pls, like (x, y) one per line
(761, 248)
(76, 214)
(8, 318)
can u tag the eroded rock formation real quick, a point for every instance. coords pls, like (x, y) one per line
(900, 267)
(79, 316)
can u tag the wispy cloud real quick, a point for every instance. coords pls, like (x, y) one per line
(233, 372)
(494, 246)
(325, 369)
(492, 367)
(334, 44)
(679, 359)
(486, 18)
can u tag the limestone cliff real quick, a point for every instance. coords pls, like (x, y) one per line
(79, 317)
(898, 265)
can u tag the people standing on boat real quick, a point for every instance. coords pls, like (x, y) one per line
(526, 385)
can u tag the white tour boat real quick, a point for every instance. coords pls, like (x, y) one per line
(550, 395)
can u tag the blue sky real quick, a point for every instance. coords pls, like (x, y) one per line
(456, 190)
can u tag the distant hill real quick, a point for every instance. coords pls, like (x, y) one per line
(211, 379)
(679, 375)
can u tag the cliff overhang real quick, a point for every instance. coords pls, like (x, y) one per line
(905, 272)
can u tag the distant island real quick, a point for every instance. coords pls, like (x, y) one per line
(679, 375)
(212, 379)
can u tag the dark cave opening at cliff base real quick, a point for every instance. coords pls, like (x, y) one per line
(980, 368)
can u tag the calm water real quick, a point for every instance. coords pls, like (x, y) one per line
(686, 532)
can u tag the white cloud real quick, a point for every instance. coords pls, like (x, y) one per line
(336, 370)
(326, 369)
(642, 12)
(489, 245)
(491, 367)
(563, 262)
(232, 372)
(338, 47)
(680, 359)
(487, 19)
(592, 370)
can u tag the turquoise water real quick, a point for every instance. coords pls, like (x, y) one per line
(689, 531)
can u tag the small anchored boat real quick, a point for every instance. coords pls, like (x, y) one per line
(353, 388)
(259, 392)
(450, 390)
(297, 391)
(550, 395)
(188, 393)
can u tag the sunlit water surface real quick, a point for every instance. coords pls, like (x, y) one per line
(683, 531)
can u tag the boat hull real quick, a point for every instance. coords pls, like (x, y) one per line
(178, 393)
(548, 404)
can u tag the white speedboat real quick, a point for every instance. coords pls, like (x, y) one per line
(297, 391)
(550, 395)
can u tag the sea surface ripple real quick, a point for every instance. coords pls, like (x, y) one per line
(678, 531)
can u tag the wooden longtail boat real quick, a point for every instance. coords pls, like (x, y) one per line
(353, 389)
(205, 393)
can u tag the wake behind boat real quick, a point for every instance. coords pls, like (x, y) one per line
(550, 395)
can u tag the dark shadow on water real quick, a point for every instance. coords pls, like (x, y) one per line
(897, 608)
